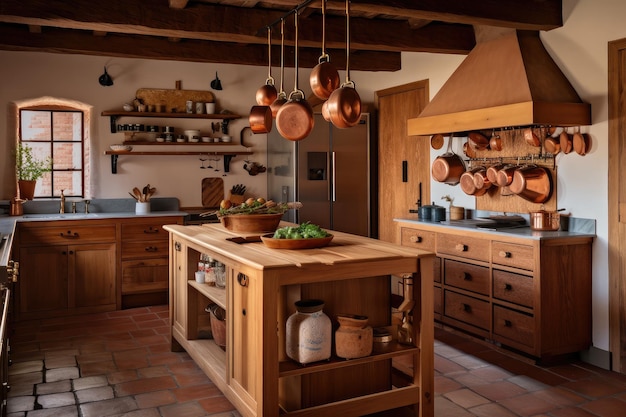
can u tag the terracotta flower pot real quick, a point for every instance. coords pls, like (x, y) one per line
(27, 189)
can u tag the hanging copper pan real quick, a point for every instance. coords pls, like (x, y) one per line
(324, 78)
(267, 93)
(295, 119)
(282, 96)
(532, 183)
(260, 119)
(344, 104)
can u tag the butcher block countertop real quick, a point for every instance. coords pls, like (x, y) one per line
(344, 248)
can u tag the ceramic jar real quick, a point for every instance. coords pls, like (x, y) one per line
(309, 333)
(353, 338)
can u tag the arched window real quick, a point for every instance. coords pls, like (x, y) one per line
(59, 129)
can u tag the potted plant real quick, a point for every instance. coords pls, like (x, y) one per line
(28, 170)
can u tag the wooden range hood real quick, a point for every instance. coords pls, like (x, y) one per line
(507, 80)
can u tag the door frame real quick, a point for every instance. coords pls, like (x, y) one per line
(617, 208)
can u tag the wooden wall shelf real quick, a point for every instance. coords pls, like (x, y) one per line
(228, 155)
(115, 114)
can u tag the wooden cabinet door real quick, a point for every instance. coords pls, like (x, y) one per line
(404, 161)
(43, 279)
(178, 287)
(92, 275)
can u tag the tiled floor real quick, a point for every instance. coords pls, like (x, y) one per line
(119, 364)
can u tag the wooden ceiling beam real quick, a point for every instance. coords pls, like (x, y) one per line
(233, 24)
(16, 37)
(519, 14)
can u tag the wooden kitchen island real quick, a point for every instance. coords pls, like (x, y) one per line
(352, 276)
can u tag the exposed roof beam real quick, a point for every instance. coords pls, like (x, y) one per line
(15, 37)
(232, 24)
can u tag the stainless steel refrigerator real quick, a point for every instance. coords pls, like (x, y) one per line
(334, 175)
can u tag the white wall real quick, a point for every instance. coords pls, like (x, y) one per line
(579, 47)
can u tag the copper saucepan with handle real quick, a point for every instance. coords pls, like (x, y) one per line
(449, 167)
(468, 185)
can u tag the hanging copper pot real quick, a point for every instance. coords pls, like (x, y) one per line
(267, 93)
(294, 119)
(468, 185)
(532, 183)
(449, 167)
(260, 119)
(282, 96)
(344, 104)
(324, 78)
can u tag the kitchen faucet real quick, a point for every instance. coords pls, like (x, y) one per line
(62, 209)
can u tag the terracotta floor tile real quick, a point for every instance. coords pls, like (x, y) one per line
(528, 405)
(191, 409)
(446, 366)
(187, 380)
(164, 358)
(491, 373)
(499, 390)
(492, 410)
(196, 392)
(97, 368)
(123, 376)
(89, 382)
(155, 399)
(446, 408)
(466, 398)
(216, 405)
(572, 412)
(144, 385)
(561, 396)
(444, 384)
(95, 394)
(593, 388)
(607, 407)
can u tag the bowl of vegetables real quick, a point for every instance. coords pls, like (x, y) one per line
(253, 215)
(304, 236)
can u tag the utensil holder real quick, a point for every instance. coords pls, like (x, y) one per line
(142, 207)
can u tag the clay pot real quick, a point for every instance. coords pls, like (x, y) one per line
(354, 338)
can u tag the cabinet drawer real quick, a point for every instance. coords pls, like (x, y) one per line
(467, 276)
(418, 239)
(467, 247)
(514, 325)
(510, 254)
(467, 309)
(146, 249)
(143, 231)
(145, 276)
(514, 288)
(437, 269)
(69, 234)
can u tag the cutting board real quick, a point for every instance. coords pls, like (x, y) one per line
(212, 192)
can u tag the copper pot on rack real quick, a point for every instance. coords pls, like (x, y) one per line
(532, 183)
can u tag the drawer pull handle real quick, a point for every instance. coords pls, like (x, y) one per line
(461, 247)
(504, 254)
(508, 287)
(507, 323)
(467, 276)
(416, 239)
(151, 231)
(151, 249)
(177, 246)
(70, 235)
(467, 308)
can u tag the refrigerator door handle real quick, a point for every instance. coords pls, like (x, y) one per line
(333, 181)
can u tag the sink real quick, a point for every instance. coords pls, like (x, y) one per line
(61, 216)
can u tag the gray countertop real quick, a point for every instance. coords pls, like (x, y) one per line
(576, 227)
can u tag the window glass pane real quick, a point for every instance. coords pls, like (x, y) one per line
(35, 125)
(67, 126)
(41, 150)
(71, 182)
(44, 186)
(67, 155)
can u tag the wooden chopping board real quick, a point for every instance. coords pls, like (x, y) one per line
(212, 192)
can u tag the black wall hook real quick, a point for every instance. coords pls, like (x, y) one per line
(105, 79)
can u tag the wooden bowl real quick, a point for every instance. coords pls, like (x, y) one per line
(312, 243)
(251, 223)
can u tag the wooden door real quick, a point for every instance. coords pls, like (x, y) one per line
(43, 279)
(404, 161)
(617, 204)
(92, 275)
